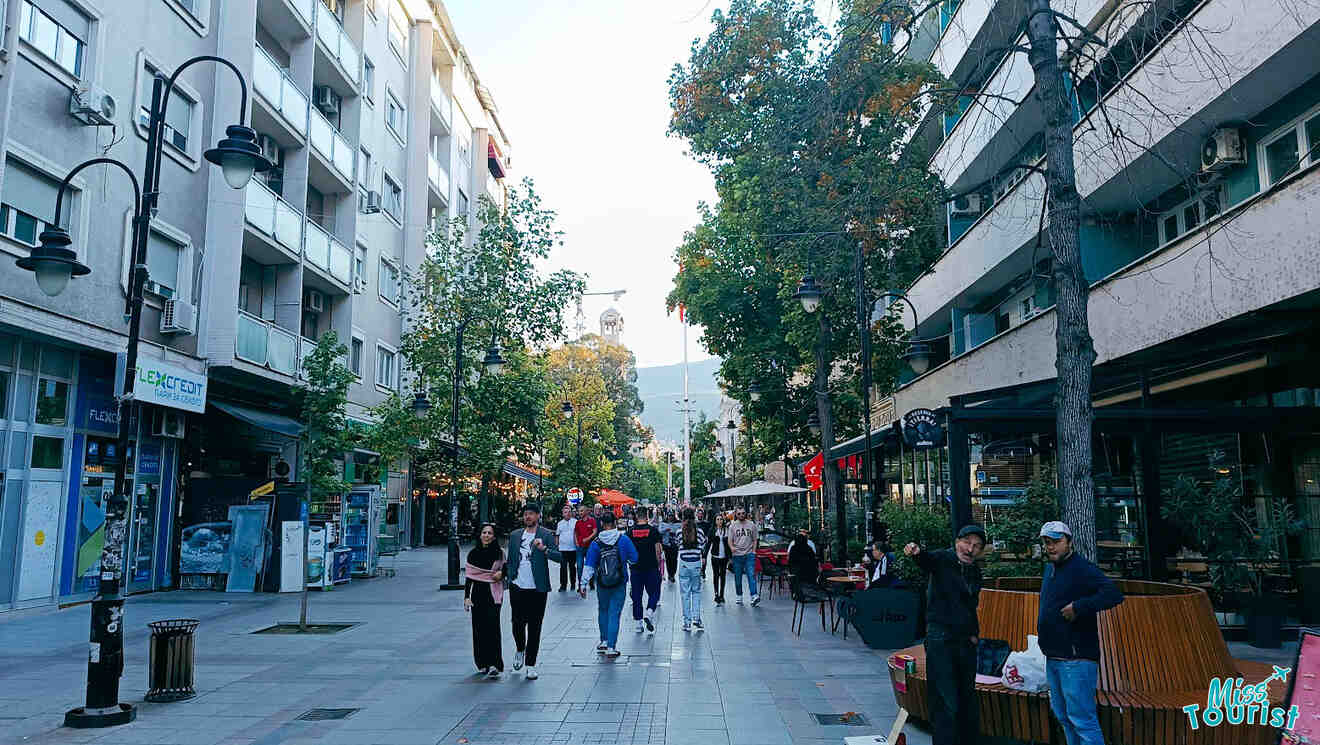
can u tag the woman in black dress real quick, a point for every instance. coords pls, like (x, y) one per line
(483, 596)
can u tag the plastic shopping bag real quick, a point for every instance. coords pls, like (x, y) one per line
(1025, 671)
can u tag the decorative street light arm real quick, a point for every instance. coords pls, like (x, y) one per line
(64, 185)
(904, 298)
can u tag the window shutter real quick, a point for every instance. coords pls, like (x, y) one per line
(32, 192)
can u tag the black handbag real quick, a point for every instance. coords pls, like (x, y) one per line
(991, 654)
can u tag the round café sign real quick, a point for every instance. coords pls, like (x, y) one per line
(574, 495)
(922, 429)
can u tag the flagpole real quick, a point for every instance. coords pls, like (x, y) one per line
(687, 413)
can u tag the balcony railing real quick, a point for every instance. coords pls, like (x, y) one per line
(274, 85)
(332, 34)
(331, 145)
(263, 343)
(304, 8)
(441, 101)
(270, 214)
(328, 254)
(305, 348)
(438, 176)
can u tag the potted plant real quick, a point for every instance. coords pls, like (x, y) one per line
(1238, 542)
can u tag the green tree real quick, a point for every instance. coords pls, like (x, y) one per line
(575, 376)
(489, 284)
(703, 461)
(806, 136)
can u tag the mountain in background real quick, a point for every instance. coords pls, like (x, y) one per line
(661, 389)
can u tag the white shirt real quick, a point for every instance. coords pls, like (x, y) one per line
(525, 580)
(565, 532)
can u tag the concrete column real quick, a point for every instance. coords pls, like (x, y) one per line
(415, 211)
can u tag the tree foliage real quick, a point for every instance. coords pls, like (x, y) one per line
(324, 400)
(575, 374)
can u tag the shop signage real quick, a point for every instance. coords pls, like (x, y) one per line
(164, 384)
(574, 495)
(262, 490)
(149, 459)
(922, 429)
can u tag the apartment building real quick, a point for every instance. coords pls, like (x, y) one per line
(379, 129)
(1197, 136)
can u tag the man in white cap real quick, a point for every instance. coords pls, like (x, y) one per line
(1073, 592)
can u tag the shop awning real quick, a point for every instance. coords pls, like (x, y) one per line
(266, 420)
(755, 489)
(519, 472)
(493, 160)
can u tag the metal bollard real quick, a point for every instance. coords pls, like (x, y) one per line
(171, 669)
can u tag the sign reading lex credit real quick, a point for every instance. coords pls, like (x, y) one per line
(164, 384)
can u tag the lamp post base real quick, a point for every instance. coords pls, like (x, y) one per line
(84, 718)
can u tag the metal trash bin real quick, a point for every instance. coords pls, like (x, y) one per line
(171, 668)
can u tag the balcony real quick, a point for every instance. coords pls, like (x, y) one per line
(332, 38)
(305, 348)
(286, 19)
(265, 344)
(334, 149)
(326, 253)
(273, 217)
(287, 104)
(438, 177)
(441, 108)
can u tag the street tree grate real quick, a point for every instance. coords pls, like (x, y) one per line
(324, 715)
(312, 628)
(850, 718)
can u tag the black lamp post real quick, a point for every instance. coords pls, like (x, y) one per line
(494, 364)
(54, 264)
(733, 451)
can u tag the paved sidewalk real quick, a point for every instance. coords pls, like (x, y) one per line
(407, 669)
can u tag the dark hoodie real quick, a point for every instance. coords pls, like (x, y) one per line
(952, 594)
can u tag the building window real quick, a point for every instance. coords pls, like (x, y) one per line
(47, 452)
(399, 32)
(368, 79)
(1295, 147)
(461, 206)
(387, 368)
(355, 356)
(465, 149)
(360, 267)
(63, 45)
(163, 258)
(364, 178)
(52, 402)
(389, 281)
(393, 196)
(394, 114)
(178, 114)
(1188, 216)
(27, 205)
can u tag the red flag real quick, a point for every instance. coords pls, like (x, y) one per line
(812, 471)
(680, 313)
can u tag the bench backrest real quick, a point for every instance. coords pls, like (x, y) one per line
(1161, 638)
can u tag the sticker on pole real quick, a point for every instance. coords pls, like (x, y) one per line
(574, 496)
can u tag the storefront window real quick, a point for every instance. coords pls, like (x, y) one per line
(4, 395)
(53, 402)
(47, 452)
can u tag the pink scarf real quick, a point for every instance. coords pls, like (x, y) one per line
(478, 574)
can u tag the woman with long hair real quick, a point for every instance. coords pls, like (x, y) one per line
(691, 547)
(719, 556)
(482, 597)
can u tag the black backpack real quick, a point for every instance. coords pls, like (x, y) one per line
(609, 566)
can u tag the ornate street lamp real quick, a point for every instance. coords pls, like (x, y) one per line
(809, 294)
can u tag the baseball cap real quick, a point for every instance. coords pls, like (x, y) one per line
(972, 529)
(1054, 530)
(532, 507)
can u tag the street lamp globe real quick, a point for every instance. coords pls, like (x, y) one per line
(813, 423)
(420, 404)
(53, 262)
(595, 437)
(731, 426)
(238, 156)
(494, 361)
(567, 408)
(918, 356)
(809, 294)
(754, 392)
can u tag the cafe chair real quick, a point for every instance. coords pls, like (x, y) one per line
(804, 595)
(772, 577)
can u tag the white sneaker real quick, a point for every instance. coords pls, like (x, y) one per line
(611, 652)
(739, 600)
(600, 648)
(696, 625)
(687, 626)
(648, 618)
(492, 672)
(531, 673)
(640, 627)
(518, 661)
(756, 600)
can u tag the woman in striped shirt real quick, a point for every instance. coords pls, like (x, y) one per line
(691, 547)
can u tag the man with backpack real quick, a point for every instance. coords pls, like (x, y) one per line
(607, 563)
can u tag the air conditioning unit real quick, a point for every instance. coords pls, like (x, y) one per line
(168, 423)
(270, 149)
(314, 301)
(359, 285)
(326, 100)
(178, 318)
(1222, 149)
(92, 106)
(968, 205)
(372, 205)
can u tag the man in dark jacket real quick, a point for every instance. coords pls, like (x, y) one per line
(952, 632)
(1073, 592)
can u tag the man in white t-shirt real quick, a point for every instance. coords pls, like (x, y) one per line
(568, 549)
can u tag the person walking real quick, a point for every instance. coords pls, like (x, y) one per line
(707, 526)
(1072, 594)
(529, 584)
(743, 536)
(691, 549)
(483, 594)
(952, 633)
(607, 562)
(719, 551)
(645, 538)
(669, 530)
(584, 532)
(566, 535)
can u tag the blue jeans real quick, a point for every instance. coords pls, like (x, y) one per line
(581, 559)
(650, 582)
(689, 588)
(744, 565)
(1072, 698)
(610, 602)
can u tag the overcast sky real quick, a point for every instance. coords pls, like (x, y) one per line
(581, 91)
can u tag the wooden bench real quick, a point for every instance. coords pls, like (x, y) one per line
(1158, 652)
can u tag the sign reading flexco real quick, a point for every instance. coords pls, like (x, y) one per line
(169, 385)
(922, 429)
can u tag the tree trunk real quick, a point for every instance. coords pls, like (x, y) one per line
(483, 501)
(1074, 350)
(829, 468)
